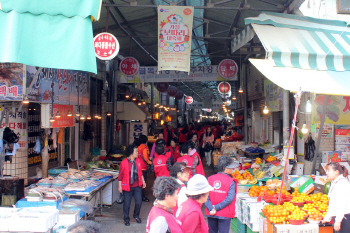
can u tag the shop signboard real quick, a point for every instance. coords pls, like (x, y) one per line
(327, 131)
(189, 100)
(273, 96)
(11, 81)
(149, 74)
(129, 66)
(136, 130)
(18, 123)
(66, 85)
(64, 120)
(106, 46)
(224, 88)
(337, 109)
(228, 69)
(179, 95)
(162, 87)
(172, 91)
(174, 37)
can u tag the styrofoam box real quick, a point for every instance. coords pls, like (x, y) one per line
(67, 219)
(5, 215)
(253, 226)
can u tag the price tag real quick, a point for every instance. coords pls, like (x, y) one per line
(291, 152)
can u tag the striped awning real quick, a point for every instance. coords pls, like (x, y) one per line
(303, 42)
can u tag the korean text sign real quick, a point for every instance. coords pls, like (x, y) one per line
(273, 95)
(174, 37)
(11, 81)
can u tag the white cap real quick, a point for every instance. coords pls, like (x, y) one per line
(198, 184)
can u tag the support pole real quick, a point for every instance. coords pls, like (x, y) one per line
(45, 156)
(245, 94)
(152, 99)
(285, 117)
(319, 136)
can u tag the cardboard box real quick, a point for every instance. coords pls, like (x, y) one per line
(305, 184)
(299, 169)
(262, 225)
(253, 226)
(320, 181)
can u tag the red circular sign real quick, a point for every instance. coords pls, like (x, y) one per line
(162, 87)
(189, 100)
(224, 87)
(106, 46)
(228, 68)
(172, 91)
(179, 95)
(129, 66)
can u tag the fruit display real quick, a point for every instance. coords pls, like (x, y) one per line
(260, 191)
(246, 175)
(270, 158)
(273, 184)
(316, 217)
(259, 173)
(276, 214)
(258, 161)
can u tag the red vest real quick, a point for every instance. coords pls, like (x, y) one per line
(189, 207)
(221, 184)
(166, 134)
(188, 160)
(170, 219)
(199, 167)
(177, 203)
(167, 154)
(160, 167)
(126, 173)
(140, 149)
(176, 153)
(183, 137)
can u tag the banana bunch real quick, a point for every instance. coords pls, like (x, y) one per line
(260, 174)
(243, 182)
(254, 181)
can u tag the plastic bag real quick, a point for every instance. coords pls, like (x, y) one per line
(85, 206)
(120, 199)
(10, 136)
(37, 147)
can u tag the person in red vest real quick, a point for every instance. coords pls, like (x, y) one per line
(192, 151)
(183, 134)
(161, 163)
(188, 160)
(143, 155)
(181, 173)
(169, 133)
(161, 217)
(220, 206)
(160, 136)
(174, 149)
(167, 152)
(190, 213)
(131, 182)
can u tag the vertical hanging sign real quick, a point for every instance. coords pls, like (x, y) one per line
(174, 37)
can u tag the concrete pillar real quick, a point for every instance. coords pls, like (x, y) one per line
(286, 125)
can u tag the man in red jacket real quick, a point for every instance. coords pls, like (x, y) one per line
(131, 182)
(161, 164)
(220, 206)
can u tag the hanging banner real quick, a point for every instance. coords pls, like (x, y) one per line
(172, 91)
(11, 81)
(273, 95)
(207, 98)
(337, 112)
(174, 37)
(64, 120)
(162, 87)
(66, 85)
(150, 74)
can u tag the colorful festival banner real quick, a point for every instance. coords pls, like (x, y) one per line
(273, 95)
(150, 74)
(11, 81)
(174, 37)
(66, 85)
(337, 112)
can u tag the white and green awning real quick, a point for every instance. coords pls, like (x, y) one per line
(52, 34)
(301, 42)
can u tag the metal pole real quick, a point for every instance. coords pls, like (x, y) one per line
(245, 94)
(285, 117)
(318, 142)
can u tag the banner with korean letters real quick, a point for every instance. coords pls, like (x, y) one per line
(174, 37)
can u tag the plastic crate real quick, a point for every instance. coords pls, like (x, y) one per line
(241, 227)
(234, 225)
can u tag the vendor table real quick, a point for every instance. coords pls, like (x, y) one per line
(91, 193)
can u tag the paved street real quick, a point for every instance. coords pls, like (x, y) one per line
(112, 219)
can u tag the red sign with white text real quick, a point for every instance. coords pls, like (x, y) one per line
(64, 120)
(106, 46)
(129, 66)
(172, 91)
(228, 68)
(189, 100)
(224, 87)
(162, 87)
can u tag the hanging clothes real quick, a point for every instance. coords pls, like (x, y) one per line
(309, 148)
(60, 137)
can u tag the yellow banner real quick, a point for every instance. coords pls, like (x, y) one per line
(174, 37)
(337, 112)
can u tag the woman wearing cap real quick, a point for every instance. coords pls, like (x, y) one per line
(161, 218)
(190, 213)
(339, 195)
(220, 206)
(182, 174)
(131, 182)
(174, 149)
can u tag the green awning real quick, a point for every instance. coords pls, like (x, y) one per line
(51, 33)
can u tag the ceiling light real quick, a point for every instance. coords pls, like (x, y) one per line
(88, 117)
(139, 103)
(96, 116)
(240, 90)
(134, 99)
(69, 113)
(304, 130)
(52, 119)
(234, 97)
(127, 96)
(58, 115)
(144, 102)
(109, 113)
(82, 117)
(77, 114)
(266, 110)
(25, 100)
(99, 117)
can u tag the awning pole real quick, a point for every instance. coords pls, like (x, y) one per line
(319, 136)
(297, 102)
